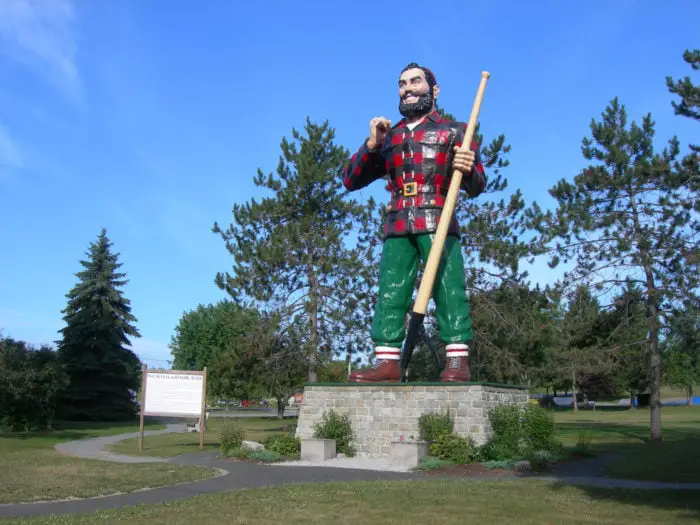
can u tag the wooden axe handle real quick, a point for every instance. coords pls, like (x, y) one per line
(431, 266)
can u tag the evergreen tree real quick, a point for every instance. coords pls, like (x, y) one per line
(687, 91)
(623, 329)
(290, 250)
(93, 352)
(682, 349)
(629, 218)
(496, 238)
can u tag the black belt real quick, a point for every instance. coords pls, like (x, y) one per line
(411, 189)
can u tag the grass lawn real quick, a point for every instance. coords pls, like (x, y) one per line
(435, 501)
(32, 470)
(626, 432)
(168, 445)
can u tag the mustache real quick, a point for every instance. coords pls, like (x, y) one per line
(413, 94)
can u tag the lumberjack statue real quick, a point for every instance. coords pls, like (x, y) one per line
(418, 156)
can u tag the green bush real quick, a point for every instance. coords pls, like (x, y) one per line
(538, 429)
(506, 464)
(239, 453)
(232, 435)
(432, 425)
(283, 445)
(267, 456)
(506, 438)
(542, 459)
(337, 427)
(453, 448)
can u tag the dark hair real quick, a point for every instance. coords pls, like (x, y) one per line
(429, 76)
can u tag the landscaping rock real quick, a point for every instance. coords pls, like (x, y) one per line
(523, 466)
(252, 445)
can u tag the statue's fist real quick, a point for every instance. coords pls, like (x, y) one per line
(463, 160)
(378, 129)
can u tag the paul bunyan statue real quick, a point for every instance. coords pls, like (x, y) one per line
(418, 154)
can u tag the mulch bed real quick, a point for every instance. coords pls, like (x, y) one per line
(472, 469)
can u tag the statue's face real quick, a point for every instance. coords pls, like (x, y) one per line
(415, 96)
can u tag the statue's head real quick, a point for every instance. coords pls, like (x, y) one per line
(418, 91)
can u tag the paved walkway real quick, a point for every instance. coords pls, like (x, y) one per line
(241, 475)
(95, 448)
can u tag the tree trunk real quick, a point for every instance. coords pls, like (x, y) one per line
(348, 359)
(690, 395)
(313, 325)
(281, 405)
(655, 358)
(573, 387)
(653, 319)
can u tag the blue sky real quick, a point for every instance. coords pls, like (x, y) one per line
(151, 118)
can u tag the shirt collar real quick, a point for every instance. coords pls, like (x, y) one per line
(433, 115)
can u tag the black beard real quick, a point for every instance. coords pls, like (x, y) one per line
(417, 109)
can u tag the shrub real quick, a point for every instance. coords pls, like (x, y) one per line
(232, 436)
(266, 456)
(337, 427)
(542, 459)
(505, 442)
(240, 453)
(283, 445)
(453, 448)
(538, 429)
(433, 425)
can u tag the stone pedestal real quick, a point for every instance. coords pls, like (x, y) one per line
(407, 455)
(383, 413)
(317, 449)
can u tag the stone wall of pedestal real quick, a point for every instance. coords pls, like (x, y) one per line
(387, 412)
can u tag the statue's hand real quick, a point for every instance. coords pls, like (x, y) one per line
(463, 160)
(378, 129)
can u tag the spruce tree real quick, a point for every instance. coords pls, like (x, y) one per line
(100, 369)
(630, 217)
(290, 251)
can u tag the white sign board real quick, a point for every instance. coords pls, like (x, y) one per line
(178, 394)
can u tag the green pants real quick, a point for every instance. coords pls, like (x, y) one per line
(397, 278)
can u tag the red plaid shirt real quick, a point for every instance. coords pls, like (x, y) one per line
(418, 163)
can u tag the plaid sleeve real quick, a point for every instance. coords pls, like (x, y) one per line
(474, 183)
(365, 167)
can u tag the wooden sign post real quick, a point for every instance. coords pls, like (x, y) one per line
(174, 393)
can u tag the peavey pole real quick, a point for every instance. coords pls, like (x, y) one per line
(431, 266)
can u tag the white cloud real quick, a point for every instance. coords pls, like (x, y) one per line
(40, 33)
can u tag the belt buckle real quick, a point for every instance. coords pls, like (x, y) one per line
(410, 189)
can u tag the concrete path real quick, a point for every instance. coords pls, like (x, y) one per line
(241, 475)
(95, 448)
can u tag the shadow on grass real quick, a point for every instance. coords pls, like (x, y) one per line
(685, 500)
(74, 430)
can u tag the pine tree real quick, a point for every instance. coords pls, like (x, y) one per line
(496, 238)
(689, 93)
(92, 351)
(290, 250)
(630, 218)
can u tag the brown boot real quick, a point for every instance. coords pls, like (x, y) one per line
(386, 370)
(457, 367)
